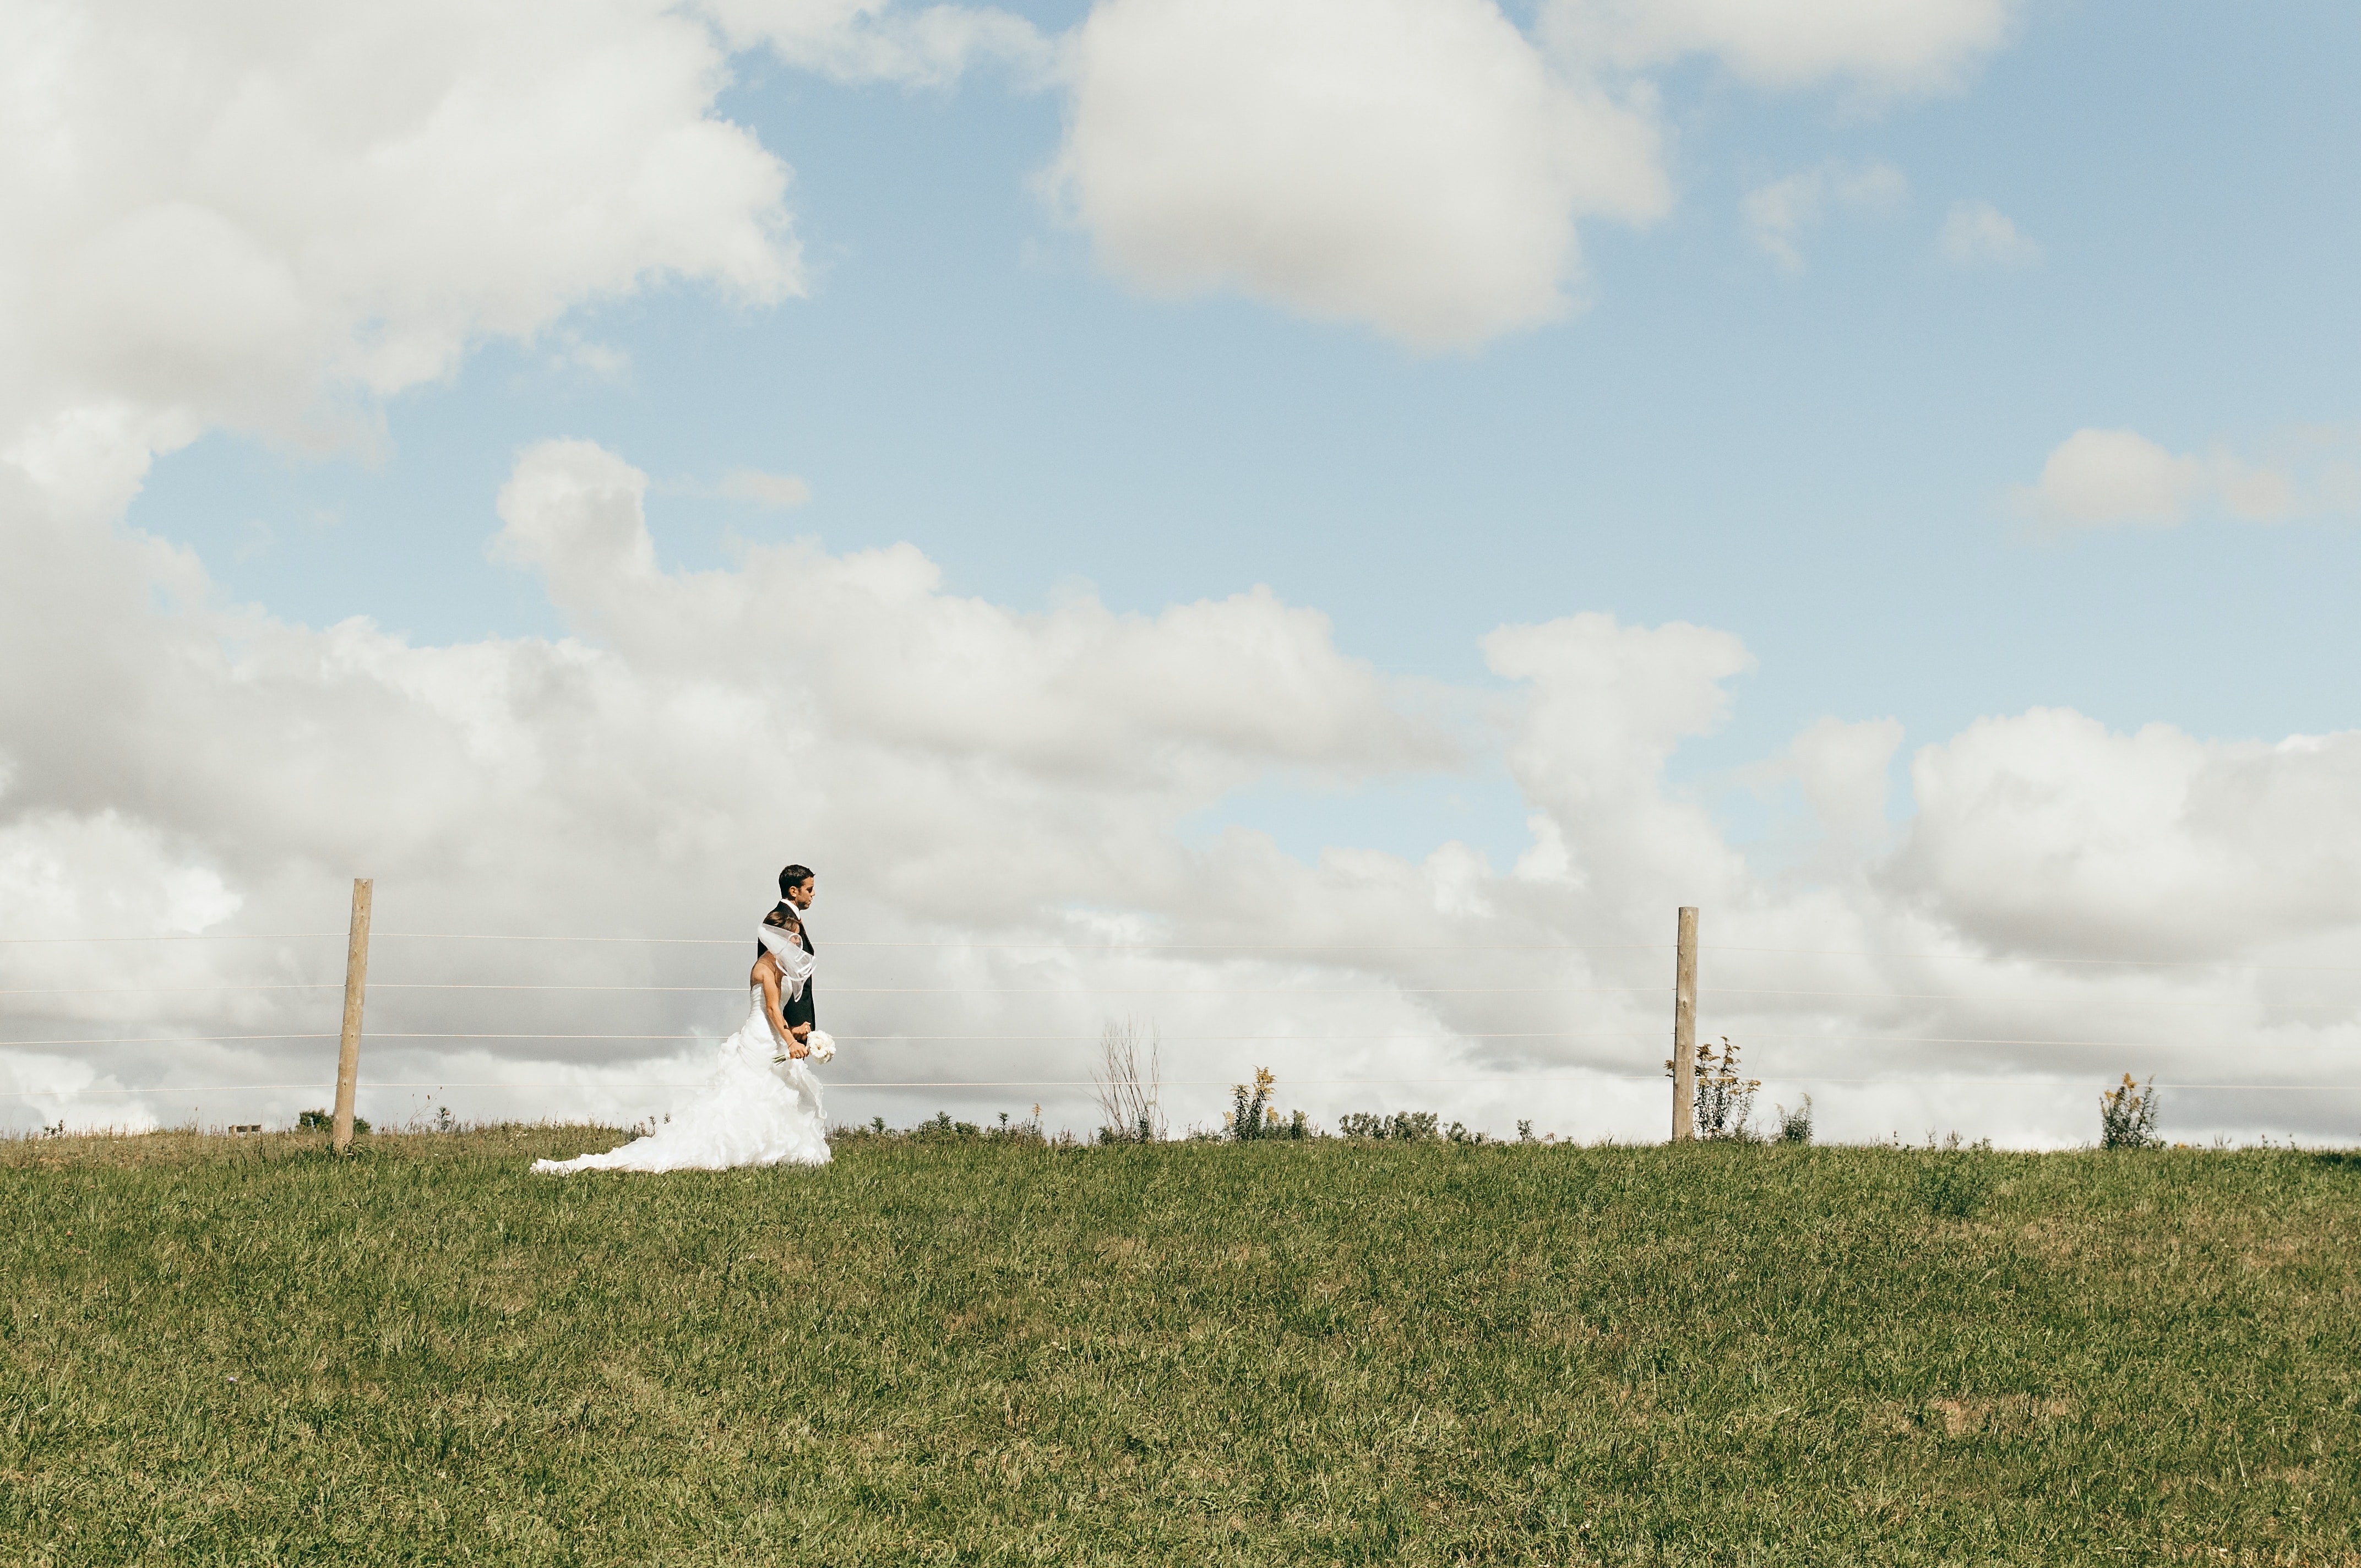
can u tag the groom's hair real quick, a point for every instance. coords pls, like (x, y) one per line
(794, 877)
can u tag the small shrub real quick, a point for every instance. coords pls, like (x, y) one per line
(1403, 1127)
(1145, 1133)
(1524, 1132)
(1252, 1116)
(1724, 1103)
(325, 1121)
(1796, 1127)
(1954, 1185)
(1029, 1130)
(1248, 1106)
(876, 1129)
(2127, 1116)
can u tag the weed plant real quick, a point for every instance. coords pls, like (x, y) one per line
(1954, 1183)
(1401, 1127)
(1252, 1117)
(2127, 1116)
(1128, 1083)
(972, 1346)
(1796, 1127)
(1723, 1104)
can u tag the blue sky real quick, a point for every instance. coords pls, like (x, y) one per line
(1980, 377)
(1819, 461)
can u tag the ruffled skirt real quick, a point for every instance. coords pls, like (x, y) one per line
(754, 1112)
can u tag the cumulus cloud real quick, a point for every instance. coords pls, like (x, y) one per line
(1422, 166)
(2048, 833)
(776, 491)
(1979, 235)
(2098, 478)
(1080, 693)
(996, 798)
(955, 767)
(2114, 476)
(1843, 768)
(265, 219)
(1609, 704)
(1887, 46)
(876, 40)
(1414, 164)
(1780, 213)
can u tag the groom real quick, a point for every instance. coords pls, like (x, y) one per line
(796, 887)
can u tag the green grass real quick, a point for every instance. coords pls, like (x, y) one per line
(980, 1352)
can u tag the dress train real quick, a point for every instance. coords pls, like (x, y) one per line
(754, 1112)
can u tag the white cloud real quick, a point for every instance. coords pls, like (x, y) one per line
(1977, 234)
(1843, 769)
(969, 775)
(2048, 833)
(1887, 46)
(873, 41)
(266, 218)
(2102, 478)
(1778, 214)
(1422, 166)
(2116, 476)
(779, 490)
(598, 361)
(1414, 164)
(1082, 691)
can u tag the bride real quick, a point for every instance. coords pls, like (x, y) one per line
(763, 1107)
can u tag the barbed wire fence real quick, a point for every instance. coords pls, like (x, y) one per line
(1518, 1059)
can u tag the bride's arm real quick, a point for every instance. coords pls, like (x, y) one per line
(766, 975)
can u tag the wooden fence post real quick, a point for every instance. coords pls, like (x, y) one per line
(1685, 1028)
(348, 1050)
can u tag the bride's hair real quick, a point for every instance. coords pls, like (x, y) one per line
(782, 917)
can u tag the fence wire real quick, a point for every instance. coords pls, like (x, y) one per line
(1736, 997)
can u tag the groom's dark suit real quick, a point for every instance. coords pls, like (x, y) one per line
(800, 1010)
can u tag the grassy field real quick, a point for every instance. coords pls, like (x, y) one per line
(246, 1351)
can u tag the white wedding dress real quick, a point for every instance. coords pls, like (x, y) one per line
(754, 1112)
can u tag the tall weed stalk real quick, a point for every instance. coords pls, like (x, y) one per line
(2127, 1116)
(1129, 1083)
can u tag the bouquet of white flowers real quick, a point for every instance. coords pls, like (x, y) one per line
(822, 1044)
